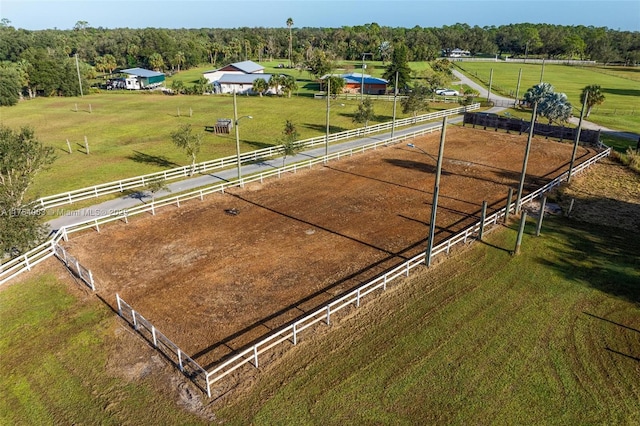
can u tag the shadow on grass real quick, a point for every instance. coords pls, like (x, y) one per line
(323, 129)
(622, 354)
(156, 160)
(257, 144)
(605, 258)
(622, 92)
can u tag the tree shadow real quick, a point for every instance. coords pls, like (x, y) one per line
(622, 92)
(416, 165)
(323, 129)
(312, 86)
(257, 144)
(156, 160)
(602, 257)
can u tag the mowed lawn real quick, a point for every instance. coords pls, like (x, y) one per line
(129, 134)
(551, 336)
(620, 86)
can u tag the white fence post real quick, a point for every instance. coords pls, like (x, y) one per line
(255, 356)
(328, 315)
(180, 360)
(135, 322)
(295, 337)
(153, 333)
(119, 304)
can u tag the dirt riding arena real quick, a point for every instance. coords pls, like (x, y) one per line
(213, 282)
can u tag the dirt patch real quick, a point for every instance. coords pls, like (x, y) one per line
(609, 194)
(213, 281)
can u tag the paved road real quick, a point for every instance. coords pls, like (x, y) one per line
(125, 202)
(109, 207)
(573, 120)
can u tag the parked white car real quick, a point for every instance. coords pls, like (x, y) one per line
(447, 92)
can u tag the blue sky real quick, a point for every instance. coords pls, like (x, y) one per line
(63, 14)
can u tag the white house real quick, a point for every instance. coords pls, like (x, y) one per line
(245, 67)
(240, 83)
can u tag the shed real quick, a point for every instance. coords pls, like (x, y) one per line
(140, 78)
(354, 81)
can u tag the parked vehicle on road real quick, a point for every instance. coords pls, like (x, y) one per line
(447, 92)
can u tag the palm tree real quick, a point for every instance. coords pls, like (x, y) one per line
(275, 82)
(260, 85)
(537, 94)
(179, 59)
(289, 25)
(288, 84)
(555, 107)
(596, 97)
(156, 62)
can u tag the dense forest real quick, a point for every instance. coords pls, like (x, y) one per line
(46, 62)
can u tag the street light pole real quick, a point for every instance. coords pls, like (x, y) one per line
(236, 120)
(326, 142)
(395, 98)
(362, 81)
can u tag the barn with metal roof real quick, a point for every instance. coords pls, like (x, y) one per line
(140, 78)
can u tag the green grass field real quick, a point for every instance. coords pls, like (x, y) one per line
(129, 133)
(547, 337)
(621, 87)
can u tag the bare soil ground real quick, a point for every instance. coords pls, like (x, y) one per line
(609, 194)
(213, 282)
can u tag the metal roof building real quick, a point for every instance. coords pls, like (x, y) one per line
(141, 78)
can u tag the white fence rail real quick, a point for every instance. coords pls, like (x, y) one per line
(207, 166)
(291, 332)
(25, 262)
(74, 266)
(162, 343)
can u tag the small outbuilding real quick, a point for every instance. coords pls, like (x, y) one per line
(359, 83)
(140, 78)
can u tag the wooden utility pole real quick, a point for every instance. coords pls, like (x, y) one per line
(508, 207)
(490, 83)
(518, 85)
(543, 204)
(436, 190)
(577, 138)
(79, 79)
(526, 157)
(523, 221)
(483, 217)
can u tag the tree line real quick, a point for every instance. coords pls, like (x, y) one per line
(42, 62)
